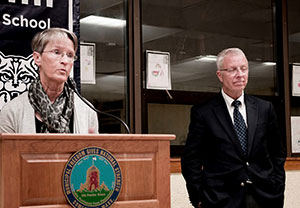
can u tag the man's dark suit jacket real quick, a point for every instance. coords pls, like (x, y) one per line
(214, 166)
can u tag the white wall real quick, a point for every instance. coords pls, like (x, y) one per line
(179, 197)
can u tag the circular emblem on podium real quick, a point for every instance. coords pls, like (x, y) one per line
(92, 178)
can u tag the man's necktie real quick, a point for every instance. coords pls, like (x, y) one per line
(239, 125)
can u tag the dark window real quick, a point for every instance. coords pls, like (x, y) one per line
(103, 23)
(193, 32)
(294, 60)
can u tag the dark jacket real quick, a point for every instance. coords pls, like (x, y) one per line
(213, 164)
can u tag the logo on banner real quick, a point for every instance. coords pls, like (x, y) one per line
(49, 3)
(92, 178)
(16, 73)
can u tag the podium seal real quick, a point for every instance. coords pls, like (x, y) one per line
(92, 178)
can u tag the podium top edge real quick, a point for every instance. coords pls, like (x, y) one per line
(38, 136)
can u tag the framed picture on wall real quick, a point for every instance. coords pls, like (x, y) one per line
(158, 75)
(296, 80)
(295, 122)
(88, 63)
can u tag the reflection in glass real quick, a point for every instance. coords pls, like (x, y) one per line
(194, 32)
(294, 46)
(104, 24)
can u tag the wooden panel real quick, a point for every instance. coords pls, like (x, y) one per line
(11, 170)
(163, 179)
(119, 204)
(47, 206)
(137, 204)
(292, 163)
(32, 165)
(1, 176)
(138, 171)
(41, 174)
(175, 165)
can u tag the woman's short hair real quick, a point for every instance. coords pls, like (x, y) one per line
(41, 39)
(223, 53)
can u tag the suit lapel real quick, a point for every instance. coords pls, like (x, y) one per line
(224, 118)
(252, 112)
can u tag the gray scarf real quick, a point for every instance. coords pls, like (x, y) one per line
(55, 116)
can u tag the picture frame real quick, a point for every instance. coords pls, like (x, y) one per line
(296, 80)
(87, 63)
(158, 74)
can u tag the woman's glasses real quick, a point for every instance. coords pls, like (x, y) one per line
(58, 54)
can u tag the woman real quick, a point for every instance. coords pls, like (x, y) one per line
(50, 105)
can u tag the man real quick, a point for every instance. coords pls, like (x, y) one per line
(234, 157)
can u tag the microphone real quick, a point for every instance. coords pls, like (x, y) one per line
(72, 86)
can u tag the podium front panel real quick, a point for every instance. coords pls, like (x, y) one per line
(32, 167)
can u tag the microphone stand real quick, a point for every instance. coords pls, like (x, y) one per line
(92, 107)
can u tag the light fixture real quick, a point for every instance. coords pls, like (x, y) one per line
(269, 63)
(208, 58)
(103, 21)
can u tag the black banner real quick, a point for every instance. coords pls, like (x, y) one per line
(19, 21)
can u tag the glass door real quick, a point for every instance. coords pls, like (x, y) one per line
(103, 46)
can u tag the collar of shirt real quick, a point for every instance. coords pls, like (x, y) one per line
(242, 107)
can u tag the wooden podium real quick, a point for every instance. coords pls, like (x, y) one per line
(32, 165)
